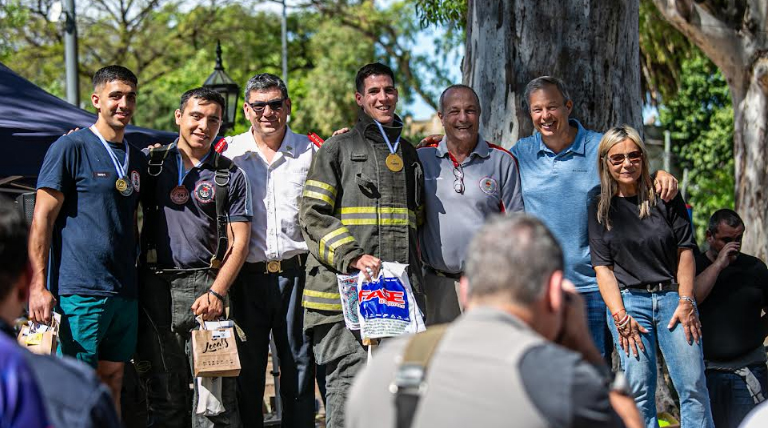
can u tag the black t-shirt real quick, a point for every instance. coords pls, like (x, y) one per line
(730, 315)
(641, 251)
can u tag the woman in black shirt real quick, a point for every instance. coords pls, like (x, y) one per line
(642, 254)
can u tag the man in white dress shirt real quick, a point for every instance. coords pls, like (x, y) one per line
(267, 295)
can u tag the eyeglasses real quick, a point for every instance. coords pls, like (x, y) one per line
(458, 182)
(274, 105)
(618, 159)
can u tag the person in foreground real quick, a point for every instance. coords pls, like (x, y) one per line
(642, 252)
(520, 355)
(39, 390)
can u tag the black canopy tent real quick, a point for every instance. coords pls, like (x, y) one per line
(31, 119)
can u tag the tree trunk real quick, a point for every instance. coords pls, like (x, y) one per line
(591, 44)
(732, 35)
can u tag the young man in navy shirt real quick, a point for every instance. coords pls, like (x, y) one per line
(181, 274)
(87, 194)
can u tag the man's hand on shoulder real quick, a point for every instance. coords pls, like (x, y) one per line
(666, 185)
(340, 131)
(429, 140)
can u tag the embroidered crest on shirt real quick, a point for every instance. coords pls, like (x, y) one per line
(489, 185)
(204, 192)
(136, 180)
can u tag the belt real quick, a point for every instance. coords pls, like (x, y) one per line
(656, 287)
(173, 269)
(453, 276)
(276, 266)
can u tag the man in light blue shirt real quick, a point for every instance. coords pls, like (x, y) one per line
(558, 169)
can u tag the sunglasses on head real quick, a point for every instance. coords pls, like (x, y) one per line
(619, 158)
(274, 105)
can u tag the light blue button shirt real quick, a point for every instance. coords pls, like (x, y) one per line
(557, 188)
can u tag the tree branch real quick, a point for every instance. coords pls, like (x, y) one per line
(723, 44)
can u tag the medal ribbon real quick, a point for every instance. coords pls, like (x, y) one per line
(182, 172)
(120, 169)
(392, 148)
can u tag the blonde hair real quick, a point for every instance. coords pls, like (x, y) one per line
(646, 195)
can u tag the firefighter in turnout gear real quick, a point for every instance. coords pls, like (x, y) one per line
(359, 207)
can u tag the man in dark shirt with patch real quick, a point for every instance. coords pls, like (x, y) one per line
(732, 291)
(193, 197)
(85, 214)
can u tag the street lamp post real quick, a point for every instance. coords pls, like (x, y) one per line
(70, 54)
(223, 84)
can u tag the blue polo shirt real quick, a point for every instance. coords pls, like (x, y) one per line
(93, 247)
(185, 234)
(557, 188)
(491, 185)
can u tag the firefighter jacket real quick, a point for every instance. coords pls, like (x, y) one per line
(353, 205)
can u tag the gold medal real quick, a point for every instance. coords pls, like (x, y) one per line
(124, 186)
(121, 184)
(394, 162)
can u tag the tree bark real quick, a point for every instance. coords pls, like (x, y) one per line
(591, 44)
(733, 35)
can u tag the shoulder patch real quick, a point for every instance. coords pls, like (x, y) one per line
(136, 180)
(221, 145)
(315, 139)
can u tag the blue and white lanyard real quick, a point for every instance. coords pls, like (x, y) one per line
(182, 172)
(392, 148)
(120, 169)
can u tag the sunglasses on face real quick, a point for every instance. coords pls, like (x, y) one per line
(274, 105)
(619, 158)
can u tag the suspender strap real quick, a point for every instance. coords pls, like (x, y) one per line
(149, 201)
(221, 178)
(410, 379)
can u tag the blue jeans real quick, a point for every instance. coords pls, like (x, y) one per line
(731, 401)
(685, 362)
(596, 322)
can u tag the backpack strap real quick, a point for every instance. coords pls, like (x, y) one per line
(410, 379)
(157, 157)
(223, 167)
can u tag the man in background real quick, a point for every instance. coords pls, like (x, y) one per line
(732, 293)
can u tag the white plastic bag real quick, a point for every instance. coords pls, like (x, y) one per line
(348, 292)
(386, 305)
